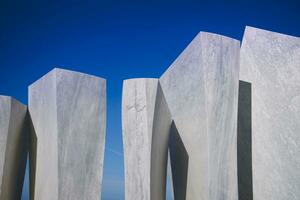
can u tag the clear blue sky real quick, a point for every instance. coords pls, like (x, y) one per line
(117, 40)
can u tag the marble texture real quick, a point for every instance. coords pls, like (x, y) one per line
(146, 125)
(270, 62)
(13, 147)
(201, 89)
(68, 113)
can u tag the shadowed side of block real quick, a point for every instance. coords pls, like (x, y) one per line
(179, 163)
(244, 145)
(159, 147)
(32, 158)
(14, 147)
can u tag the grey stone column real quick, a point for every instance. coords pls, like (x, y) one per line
(68, 112)
(13, 147)
(270, 63)
(146, 123)
(201, 89)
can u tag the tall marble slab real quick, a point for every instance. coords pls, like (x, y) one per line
(68, 113)
(201, 89)
(146, 123)
(270, 62)
(13, 147)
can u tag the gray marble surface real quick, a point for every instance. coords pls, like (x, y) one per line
(68, 112)
(13, 147)
(270, 62)
(145, 126)
(201, 89)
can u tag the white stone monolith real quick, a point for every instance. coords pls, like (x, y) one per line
(270, 64)
(68, 113)
(146, 125)
(201, 90)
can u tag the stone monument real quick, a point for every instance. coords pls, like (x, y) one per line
(68, 113)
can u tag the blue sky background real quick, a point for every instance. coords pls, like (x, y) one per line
(117, 40)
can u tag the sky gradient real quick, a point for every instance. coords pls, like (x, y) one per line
(117, 40)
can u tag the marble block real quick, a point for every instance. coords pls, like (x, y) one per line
(146, 123)
(270, 62)
(13, 147)
(201, 90)
(68, 113)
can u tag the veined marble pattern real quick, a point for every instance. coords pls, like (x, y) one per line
(145, 122)
(13, 147)
(201, 89)
(68, 112)
(271, 63)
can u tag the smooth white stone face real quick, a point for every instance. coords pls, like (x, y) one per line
(201, 89)
(13, 147)
(68, 112)
(271, 63)
(146, 124)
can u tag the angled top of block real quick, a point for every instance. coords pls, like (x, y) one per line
(140, 79)
(193, 53)
(10, 98)
(251, 31)
(140, 93)
(59, 71)
(274, 51)
(5, 96)
(215, 35)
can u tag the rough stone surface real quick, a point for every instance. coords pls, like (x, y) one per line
(13, 147)
(146, 125)
(68, 112)
(270, 62)
(201, 89)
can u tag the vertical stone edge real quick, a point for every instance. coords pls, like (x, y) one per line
(16, 152)
(138, 101)
(159, 146)
(221, 71)
(180, 82)
(43, 133)
(179, 159)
